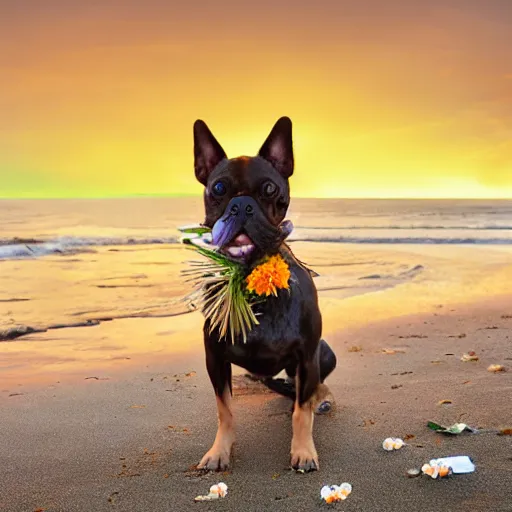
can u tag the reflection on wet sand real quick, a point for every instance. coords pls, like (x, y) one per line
(141, 319)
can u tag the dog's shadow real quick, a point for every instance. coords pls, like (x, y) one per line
(264, 427)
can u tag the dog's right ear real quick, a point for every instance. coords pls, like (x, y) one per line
(207, 151)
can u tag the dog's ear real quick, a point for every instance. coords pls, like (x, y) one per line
(207, 151)
(278, 148)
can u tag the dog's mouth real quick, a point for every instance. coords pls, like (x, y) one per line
(240, 248)
(243, 232)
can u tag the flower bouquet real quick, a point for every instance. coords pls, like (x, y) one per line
(225, 289)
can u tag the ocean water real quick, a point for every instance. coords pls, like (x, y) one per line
(35, 228)
(84, 262)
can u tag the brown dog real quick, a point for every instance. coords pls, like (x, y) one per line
(246, 200)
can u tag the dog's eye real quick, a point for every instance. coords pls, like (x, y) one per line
(219, 189)
(269, 189)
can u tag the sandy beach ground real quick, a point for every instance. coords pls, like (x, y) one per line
(115, 415)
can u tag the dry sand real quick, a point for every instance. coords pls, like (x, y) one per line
(122, 429)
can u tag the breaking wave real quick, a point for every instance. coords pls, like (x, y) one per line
(26, 248)
(21, 248)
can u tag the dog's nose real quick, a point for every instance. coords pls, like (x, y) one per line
(239, 211)
(242, 206)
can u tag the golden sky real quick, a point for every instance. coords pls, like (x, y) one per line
(394, 98)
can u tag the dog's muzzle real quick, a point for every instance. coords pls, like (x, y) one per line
(243, 228)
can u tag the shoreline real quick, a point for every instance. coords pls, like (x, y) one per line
(121, 357)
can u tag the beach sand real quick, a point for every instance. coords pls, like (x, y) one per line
(114, 416)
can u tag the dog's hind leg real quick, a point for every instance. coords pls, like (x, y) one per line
(219, 370)
(283, 387)
(327, 361)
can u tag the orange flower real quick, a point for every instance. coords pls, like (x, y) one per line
(269, 276)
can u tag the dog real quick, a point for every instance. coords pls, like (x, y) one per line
(253, 193)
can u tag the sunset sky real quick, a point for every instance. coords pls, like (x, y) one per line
(394, 98)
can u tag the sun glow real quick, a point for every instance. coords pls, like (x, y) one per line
(101, 102)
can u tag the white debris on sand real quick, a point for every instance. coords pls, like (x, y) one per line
(334, 493)
(216, 491)
(445, 466)
(392, 443)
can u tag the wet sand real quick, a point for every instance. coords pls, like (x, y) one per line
(123, 429)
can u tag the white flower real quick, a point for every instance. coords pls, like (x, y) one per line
(392, 443)
(398, 443)
(346, 487)
(334, 493)
(431, 470)
(387, 444)
(220, 489)
(223, 489)
(325, 491)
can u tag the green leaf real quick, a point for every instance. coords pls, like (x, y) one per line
(195, 229)
(455, 429)
(435, 426)
(220, 290)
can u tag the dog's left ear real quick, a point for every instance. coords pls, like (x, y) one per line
(208, 153)
(278, 148)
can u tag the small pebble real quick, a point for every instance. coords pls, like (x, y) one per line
(413, 473)
(470, 356)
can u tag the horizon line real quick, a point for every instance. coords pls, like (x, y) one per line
(187, 195)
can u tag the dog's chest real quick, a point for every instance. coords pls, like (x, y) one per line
(285, 323)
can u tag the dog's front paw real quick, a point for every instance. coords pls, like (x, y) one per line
(215, 459)
(304, 459)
